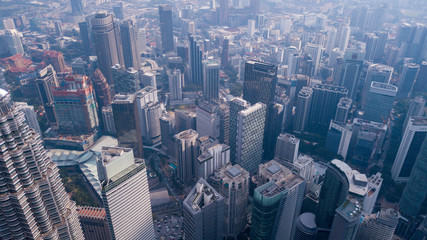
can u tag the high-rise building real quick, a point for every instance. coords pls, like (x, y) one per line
(75, 106)
(255, 6)
(125, 81)
(167, 130)
(149, 79)
(224, 123)
(77, 8)
(249, 137)
(303, 109)
(185, 120)
(374, 186)
(208, 118)
(343, 37)
(166, 27)
(46, 80)
(85, 30)
(343, 109)
(108, 120)
(149, 111)
(276, 203)
(186, 154)
(196, 58)
(379, 226)
(118, 10)
(129, 37)
(331, 39)
(324, 104)
(410, 146)
(102, 89)
(10, 43)
(203, 211)
(236, 105)
(223, 13)
(125, 194)
(260, 82)
(272, 129)
(210, 79)
(351, 70)
(56, 59)
(142, 41)
(306, 228)
(421, 81)
(379, 102)
(338, 138)
(251, 28)
(175, 79)
(94, 223)
(287, 148)
(125, 123)
(232, 182)
(225, 55)
(407, 79)
(106, 36)
(416, 109)
(347, 219)
(34, 202)
(376, 73)
(375, 45)
(211, 157)
(30, 116)
(416, 189)
(315, 51)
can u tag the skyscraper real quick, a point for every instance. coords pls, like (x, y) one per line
(303, 109)
(315, 51)
(351, 70)
(421, 81)
(125, 81)
(277, 202)
(225, 55)
(46, 80)
(232, 182)
(102, 89)
(379, 102)
(106, 36)
(166, 27)
(416, 109)
(287, 148)
(129, 37)
(210, 79)
(306, 228)
(30, 116)
(186, 154)
(208, 118)
(125, 194)
(407, 79)
(75, 106)
(10, 42)
(118, 10)
(108, 120)
(347, 219)
(196, 57)
(149, 111)
(185, 120)
(410, 146)
(343, 109)
(56, 59)
(379, 226)
(343, 37)
(94, 223)
(203, 211)
(236, 105)
(260, 82)
(211, 157)
(77, 8)
(376, 73)
(250, 134)
(34, 201)
(272, 128)
(223, 12)
(338, 138)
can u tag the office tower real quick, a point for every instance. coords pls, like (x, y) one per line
(343, 109)
(210, 79)
(34, 201)
(167, 130)
(374, 186)
(166, 27)
(203, 211)
(277, 203)
(335, 56)
(306, 228)
(260, 82)
(30, 116)
(376, 73)
(46, 80)
(350, 72)
(75, 106)
(149, 111)
(416, 188)
(125, 122)
(212, 156)
(315, 51)
(118, 10)
(125, 194)
(224, 123)
(208, 118)
(416, 109)
(85, 36)
(196, 57)
(142, 41)
(225, 56)
(255, 6)
(106, 36)
(102, 89)
(77, 8)
(186, 154)
(125, 81)
(149, 79)
(285, 25)
(421, 81)
(7, 23)
(411, 40)
(338, 138)
(56, 59)
(236, 105)
(407, 79)
(58, 28)
(343, 37)
(331, 40)
(223, 12)
(379, 226)
(372, 42)
(10, 43)
(251, 28)
(129, 37)
(324, 104)
(94, 223)
(250, 134)
(304, 167)
(175, 79)
(287, 148)
(185, 120)
(303, 109)
(364, 149)
(410, 146)
(379, 102)
(232, 182)
(108, 120)
(272, 129)
(347, 219)
(421, 231)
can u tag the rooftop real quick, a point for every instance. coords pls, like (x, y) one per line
(418, 121)
(187, 134)
(351, 209)
(92, 212)
(201, 196)
(251, 109)
(111, 154)
(287, 137)
(357, 181)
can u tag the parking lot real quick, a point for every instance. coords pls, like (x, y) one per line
(168, 227)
